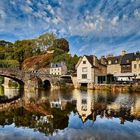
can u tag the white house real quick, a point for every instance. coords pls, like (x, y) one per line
(84, 104)
(88, 70)
(58, 68)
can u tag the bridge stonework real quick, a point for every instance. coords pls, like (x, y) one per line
(30, 79)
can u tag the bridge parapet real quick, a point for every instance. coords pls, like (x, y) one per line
(12, 73)
(26, 76)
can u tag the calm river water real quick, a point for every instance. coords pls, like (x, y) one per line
(69, 115)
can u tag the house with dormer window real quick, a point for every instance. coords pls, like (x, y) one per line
(136, 66)
(58, 68)
(88, 69)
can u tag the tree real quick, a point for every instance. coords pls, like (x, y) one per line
(23, 49)
(61, 44)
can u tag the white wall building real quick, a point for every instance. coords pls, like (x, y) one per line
(58, 68)
(88, 69)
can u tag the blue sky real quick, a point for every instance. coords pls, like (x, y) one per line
(91, 26)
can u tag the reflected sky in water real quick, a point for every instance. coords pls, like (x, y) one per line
(83, 115)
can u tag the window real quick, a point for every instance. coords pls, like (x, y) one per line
(116, 61)
(84, 62)
(109, 62)
(84, 76)
(84, 101)
(84, 107)
(84, 69)
(135, 66)
(127, 61)
(124, 66)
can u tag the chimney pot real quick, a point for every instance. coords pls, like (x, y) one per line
(123, 52)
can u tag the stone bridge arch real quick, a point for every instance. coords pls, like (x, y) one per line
(52, 81)
(25, 78)
(13, 74)
(46, 84)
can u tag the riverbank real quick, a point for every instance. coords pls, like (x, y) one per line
(117, 87)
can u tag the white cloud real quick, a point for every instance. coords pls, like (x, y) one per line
(56, 20)
(114, 21)
(2, 14)
(137, 13)
(96, 20)
(50, 9)
(29, 2)
(27, 9)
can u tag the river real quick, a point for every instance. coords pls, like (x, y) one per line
(68, 115)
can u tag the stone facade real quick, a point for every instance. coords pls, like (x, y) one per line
(136, 68)
(114, 68)
(58, 68)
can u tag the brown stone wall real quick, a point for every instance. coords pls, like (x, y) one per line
(126, 68)
(114, 68)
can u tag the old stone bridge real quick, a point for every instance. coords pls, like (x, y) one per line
(30, 78)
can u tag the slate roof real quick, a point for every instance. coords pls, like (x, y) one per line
(115, 59)
(56, 65)
(122, 60)
(137, 56)
(127, 59)
(90, 59)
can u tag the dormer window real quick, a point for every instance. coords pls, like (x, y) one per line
(109, 62)
(84, 62)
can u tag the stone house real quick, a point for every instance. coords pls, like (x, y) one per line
(113, 64)
(84, 105)
(58, 68)
(124, 66)
(88, 69)
(126, 62)
(136, 65)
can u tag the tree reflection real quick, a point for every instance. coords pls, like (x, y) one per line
(51, 112)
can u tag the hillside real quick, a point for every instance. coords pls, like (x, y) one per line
(32, 54)
(37, 62)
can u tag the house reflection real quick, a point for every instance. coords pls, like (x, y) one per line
(135, 109)
(10, 92)
(84, 104)
(31, 94)
(52, 111)
(91, 104)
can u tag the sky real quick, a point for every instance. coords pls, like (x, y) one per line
(98, 27)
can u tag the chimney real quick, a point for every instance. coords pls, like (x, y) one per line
(94, 60)
(109, 56)
(103, 60)
(123, 52)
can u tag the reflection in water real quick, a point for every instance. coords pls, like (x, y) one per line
(8, 93)
(76, 114)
